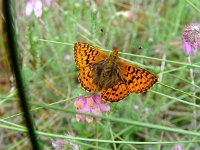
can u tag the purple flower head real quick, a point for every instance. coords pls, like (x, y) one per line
(191, 39)
(90, 104)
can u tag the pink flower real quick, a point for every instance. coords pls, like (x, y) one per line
(48, 3)
(36, 6)
(61, 144)
(191, 39)
(90, 104)
(128, 15)
(177, 147)
(58, 144)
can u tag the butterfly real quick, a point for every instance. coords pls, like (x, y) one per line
(115, 79)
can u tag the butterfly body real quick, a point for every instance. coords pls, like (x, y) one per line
(114, 78)
(105, 73)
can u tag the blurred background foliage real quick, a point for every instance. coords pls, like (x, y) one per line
(146, 28)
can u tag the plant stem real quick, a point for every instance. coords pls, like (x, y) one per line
(194, 122)
(12, 47)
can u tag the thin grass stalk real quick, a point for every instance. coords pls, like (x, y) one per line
(194, 122)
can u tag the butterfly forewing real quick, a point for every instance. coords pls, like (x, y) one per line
(86, 54)
(137, 79)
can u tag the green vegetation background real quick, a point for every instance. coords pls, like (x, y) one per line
(169, 112)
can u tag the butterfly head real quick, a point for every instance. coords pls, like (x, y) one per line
(113, 55)
(115, 51)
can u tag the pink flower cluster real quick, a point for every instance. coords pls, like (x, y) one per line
(90, 104)
(191, 39)
(36, 7)
(62, 144)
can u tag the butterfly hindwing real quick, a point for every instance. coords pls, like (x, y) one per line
(118, 92)
(86, 80)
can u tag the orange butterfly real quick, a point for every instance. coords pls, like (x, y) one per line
(114, 78)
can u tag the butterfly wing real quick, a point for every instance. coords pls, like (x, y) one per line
(133, 79)
(118, 92)
(137, 79)
(86, 80)
(86, 54)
